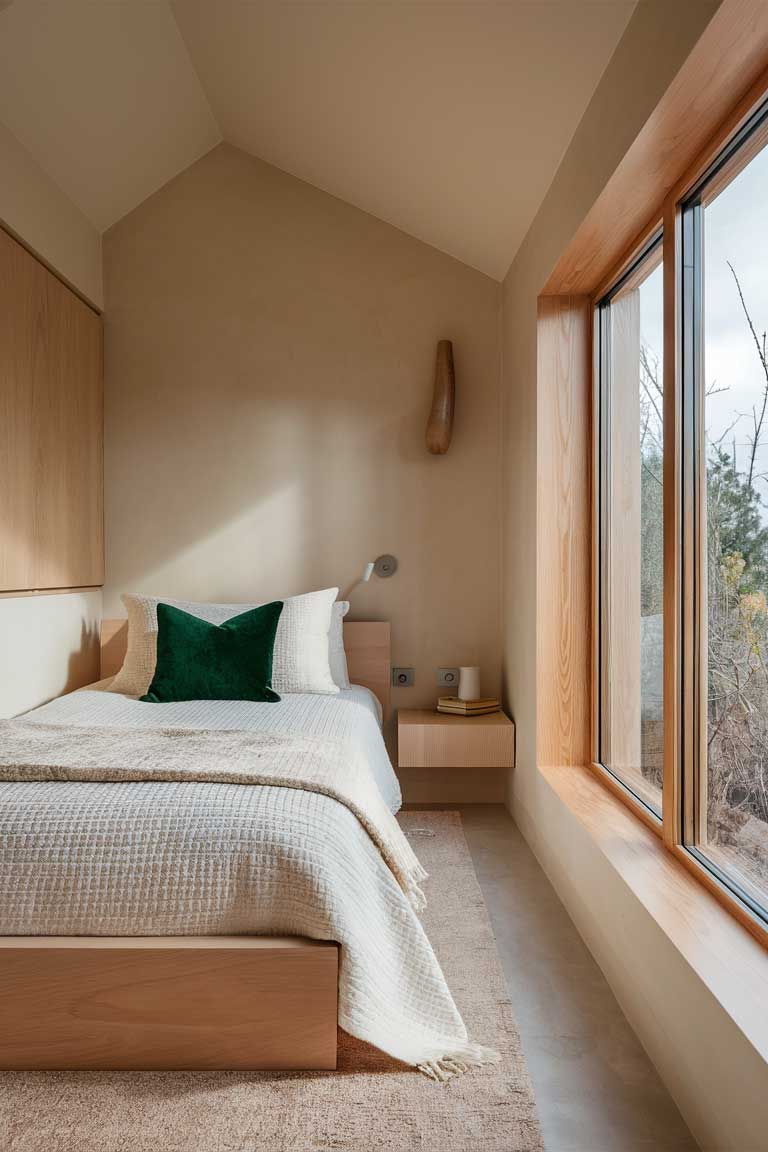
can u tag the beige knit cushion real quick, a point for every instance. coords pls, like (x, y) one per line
(300, 662)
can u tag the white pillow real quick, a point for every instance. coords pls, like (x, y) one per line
(300, 658)
(337, 657)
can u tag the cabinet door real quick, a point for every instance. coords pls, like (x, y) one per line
(51, 430)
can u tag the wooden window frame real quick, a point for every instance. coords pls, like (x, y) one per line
(685, 702)
(646, 258)
(692, 121)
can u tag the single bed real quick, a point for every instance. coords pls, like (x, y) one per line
(167, 924)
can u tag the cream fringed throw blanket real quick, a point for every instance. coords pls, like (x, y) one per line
(109, 755)
(392, 992)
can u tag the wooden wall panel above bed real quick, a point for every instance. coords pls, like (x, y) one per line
(51, 430)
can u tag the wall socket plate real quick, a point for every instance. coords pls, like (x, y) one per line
(403, 677)
(448, 677)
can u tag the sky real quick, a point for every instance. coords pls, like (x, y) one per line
(735, 230)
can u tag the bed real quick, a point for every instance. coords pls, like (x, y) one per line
(202, 924)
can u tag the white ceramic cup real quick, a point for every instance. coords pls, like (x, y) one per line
(469, 683)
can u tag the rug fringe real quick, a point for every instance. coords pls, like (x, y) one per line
(454, 1064)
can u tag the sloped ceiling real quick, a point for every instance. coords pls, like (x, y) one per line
(104, 96)
(447, 119)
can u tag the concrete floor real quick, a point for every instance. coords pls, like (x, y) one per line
(596, 1089)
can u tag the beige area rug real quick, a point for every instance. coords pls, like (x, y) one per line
(371, 1103)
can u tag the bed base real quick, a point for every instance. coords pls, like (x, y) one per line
(167, 1002)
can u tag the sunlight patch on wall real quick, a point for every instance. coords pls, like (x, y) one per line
(258, 555)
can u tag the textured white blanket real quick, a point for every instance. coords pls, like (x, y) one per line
(176, 843)
(34, 751)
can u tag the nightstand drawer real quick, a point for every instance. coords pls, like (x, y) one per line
(429, 739)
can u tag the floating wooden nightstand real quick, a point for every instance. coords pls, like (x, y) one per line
(428, 739)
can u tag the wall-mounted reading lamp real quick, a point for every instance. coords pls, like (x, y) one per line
(383, 567)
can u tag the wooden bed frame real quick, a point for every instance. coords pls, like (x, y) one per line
(179, 1002)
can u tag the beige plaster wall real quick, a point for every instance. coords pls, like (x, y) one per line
(269, 362)
(49, 644)
(35, 210)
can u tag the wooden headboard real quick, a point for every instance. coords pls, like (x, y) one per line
(367, 644)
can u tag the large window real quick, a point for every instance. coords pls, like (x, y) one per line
(725, 410)
(630, 328)
(681, 542)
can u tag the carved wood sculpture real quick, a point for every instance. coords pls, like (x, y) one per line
(440, 423)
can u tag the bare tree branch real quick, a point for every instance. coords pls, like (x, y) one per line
(761, 352)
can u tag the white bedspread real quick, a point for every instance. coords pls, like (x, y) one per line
(192, 858)
(341, 716)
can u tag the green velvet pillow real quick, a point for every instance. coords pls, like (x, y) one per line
(201, 661)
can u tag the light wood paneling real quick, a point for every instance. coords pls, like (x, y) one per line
(367, 645)
(696, 912)
(727, 60)
(673, 610)
(366, 642)
(30, 592)
(622, 693)
(564, 561)
(427, 739)
(168, 1002)
(51, 430)
(641, 810)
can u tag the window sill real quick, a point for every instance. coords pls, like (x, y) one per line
(725, 956)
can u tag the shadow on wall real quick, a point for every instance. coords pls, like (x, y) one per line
(50, 645)
(83, 664)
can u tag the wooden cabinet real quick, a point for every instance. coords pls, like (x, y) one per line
(51, 430)
(428, 739)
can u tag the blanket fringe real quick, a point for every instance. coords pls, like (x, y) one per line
(416, 897)
(415, 894)
(454, 1064)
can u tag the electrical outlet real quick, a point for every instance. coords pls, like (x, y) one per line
(448, 677)
(403, 677)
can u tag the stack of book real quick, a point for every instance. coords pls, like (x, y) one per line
(455, 707)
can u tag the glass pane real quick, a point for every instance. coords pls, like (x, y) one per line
(733, 784)
(632, 720)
